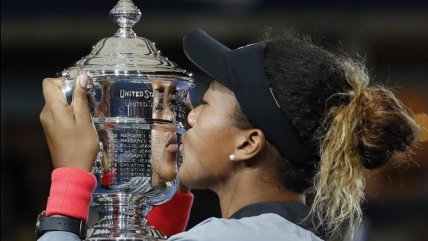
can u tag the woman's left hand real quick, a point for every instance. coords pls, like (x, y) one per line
(69, 130)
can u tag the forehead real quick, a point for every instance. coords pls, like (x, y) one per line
(217, 89)
(219, 95)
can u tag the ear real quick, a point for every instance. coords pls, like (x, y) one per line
(250, 143)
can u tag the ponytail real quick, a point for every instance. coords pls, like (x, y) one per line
(364, 133)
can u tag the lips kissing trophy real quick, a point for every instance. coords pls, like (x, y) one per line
(137, 103)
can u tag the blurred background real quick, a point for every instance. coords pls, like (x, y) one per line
(41, 38)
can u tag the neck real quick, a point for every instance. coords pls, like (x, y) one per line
(249, 186)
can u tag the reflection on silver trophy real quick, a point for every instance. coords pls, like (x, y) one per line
(137, 101)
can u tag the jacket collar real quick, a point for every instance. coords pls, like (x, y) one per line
(294, 212)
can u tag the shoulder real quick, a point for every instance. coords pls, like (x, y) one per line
(263, 227)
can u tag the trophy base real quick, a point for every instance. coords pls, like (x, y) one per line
(148, 234)
(122, 217)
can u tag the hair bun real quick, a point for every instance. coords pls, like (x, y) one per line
(386, 127)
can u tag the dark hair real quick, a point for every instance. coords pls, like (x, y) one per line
(346, 124)
(303, 77)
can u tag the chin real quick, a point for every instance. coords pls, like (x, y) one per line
(183, 180)
(181, 175)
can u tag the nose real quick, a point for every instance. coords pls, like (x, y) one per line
(192, 117)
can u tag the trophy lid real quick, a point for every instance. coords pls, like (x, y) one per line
(124, 53)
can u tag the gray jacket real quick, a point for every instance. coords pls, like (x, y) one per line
(274, 221)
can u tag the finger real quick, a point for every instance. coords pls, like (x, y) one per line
(52, 91)
(60, 114)
(44, 116)
(80, 100)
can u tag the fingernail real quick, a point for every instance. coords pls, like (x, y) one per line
(83, 80)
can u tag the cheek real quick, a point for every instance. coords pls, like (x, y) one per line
(203, 174)
(200, 150)
(207, 142)
(204, 162)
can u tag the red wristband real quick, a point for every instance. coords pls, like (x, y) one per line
(70, 193)
(171, 217)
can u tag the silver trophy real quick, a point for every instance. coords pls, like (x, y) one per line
(137, 102)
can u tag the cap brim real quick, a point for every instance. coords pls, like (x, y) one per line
(207, 54)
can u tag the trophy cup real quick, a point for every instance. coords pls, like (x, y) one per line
(137, 103)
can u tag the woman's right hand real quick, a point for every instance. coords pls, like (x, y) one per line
(69, 130)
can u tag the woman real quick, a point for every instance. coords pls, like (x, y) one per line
(280, 117)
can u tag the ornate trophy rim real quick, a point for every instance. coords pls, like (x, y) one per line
(126, 54)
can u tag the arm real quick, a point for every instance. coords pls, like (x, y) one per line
(73, 145)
